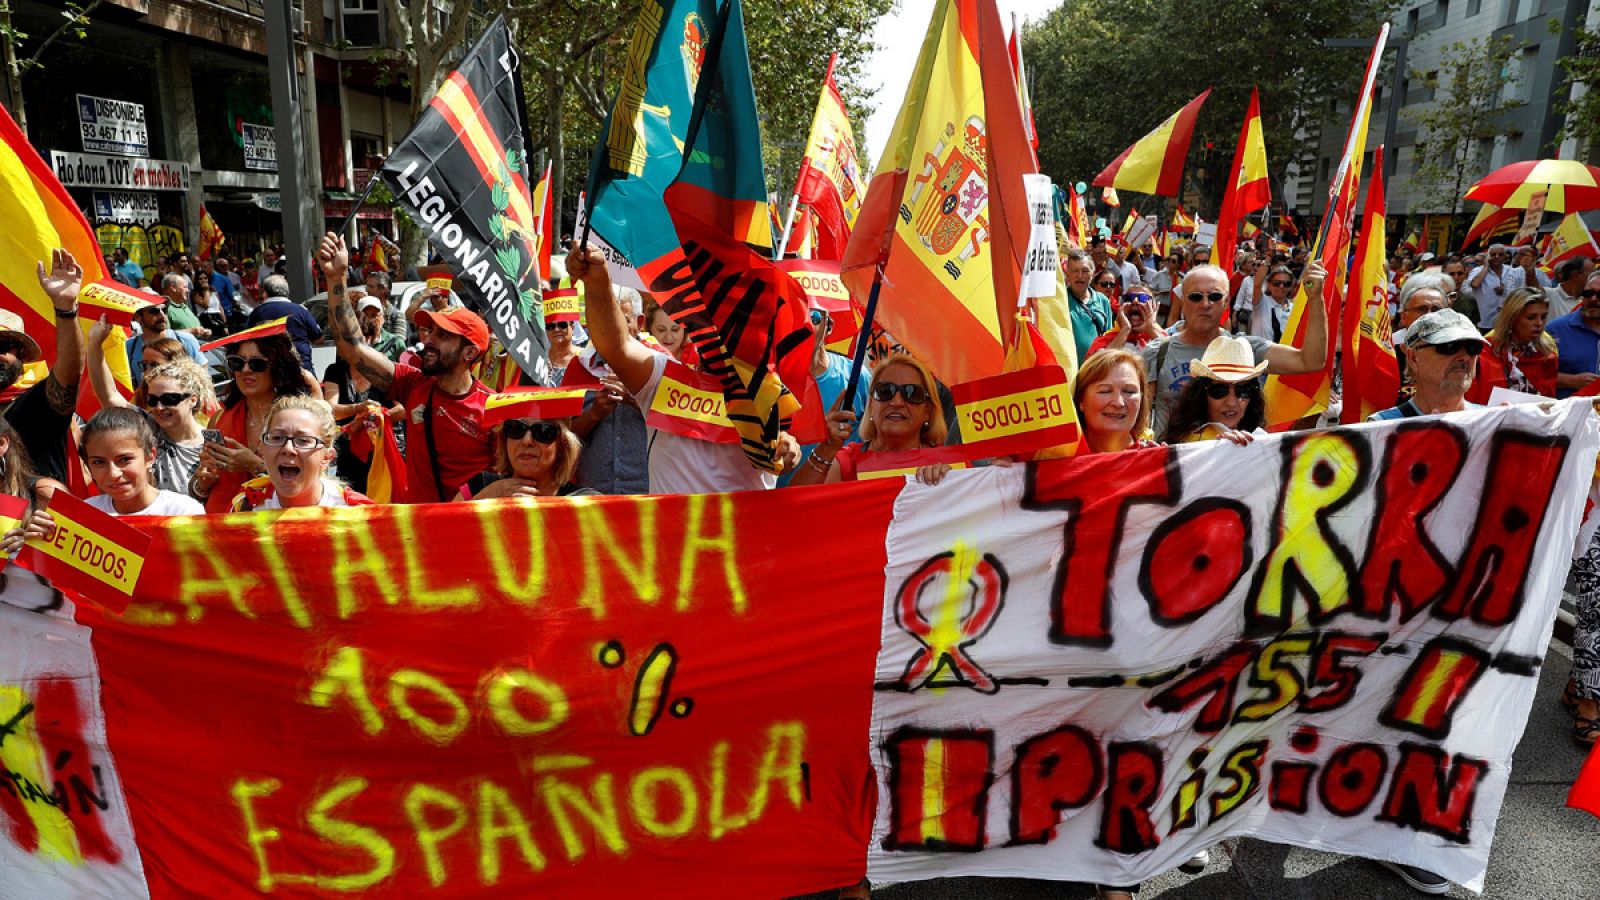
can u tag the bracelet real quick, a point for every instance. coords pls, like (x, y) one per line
(197, 494)
(818, 463)
(67, 314)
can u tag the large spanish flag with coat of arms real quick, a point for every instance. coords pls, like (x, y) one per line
(946, 216)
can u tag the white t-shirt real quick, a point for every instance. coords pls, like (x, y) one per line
(681, 465)
(167, 503)
(1270, 320)
(332, 495)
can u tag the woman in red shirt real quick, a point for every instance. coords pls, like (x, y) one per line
(1522, 355)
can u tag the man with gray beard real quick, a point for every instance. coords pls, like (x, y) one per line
(1442, 351)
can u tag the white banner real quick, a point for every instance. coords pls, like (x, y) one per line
(1141, 231)
(1040, 266)
(112, 126)
(119, 172)
(126, 207)
(1340, 652)
(260, 148)
(61, 800)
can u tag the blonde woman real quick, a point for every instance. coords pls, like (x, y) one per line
(297, 449)
(178, 397)
(532, 458)
(903, 413)
(1521, 355)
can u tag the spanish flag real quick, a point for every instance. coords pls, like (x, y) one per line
(1154, 164)
(1247, 188)
(830, 183)
(1492, 221)
(543, 223)
(265, 329)
(945, 224)
(39, 216)
(1182, 222)
(211, 236)
(1371, 373)
(1293, 397)
(1569, 241)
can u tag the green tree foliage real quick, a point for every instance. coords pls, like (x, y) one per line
(1106, 72)
(1470, 88)
(1583, 113)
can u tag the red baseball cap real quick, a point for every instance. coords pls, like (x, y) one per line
(457, 320)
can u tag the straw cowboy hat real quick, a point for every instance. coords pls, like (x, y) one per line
(11, 327)
(1227, 359)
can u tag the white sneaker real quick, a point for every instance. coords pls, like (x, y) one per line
(1197, 863)
(1418, 879)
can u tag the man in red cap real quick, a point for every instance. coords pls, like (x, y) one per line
(446, 443)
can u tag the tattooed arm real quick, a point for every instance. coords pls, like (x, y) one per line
(334, 258)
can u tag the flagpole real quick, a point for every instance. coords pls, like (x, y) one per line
(371, 183)
(863, 341)
(788, 224)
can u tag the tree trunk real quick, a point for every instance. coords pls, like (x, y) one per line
(13, 77)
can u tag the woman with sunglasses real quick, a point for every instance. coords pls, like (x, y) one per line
(903, 413)
(1223, 398)
(1272, 302)
(265, 370)
(297, 448)
(178, 397)
(1521, 355)
(1108, 282)
(532, 458)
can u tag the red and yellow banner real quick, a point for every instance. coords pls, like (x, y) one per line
(89, 552)
(690, 404)
(265, 329)
(1016, 412)
(1248, 189)
(830, 180)
(114, 301)
(873, 466)
(563, 303)
(533, 403)
(1570, 240)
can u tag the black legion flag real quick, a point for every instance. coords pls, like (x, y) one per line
(461, 172)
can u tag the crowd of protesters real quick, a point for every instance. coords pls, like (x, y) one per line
(1171, 349)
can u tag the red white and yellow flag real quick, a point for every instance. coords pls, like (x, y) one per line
(1570, 240)
(97, 555)
(945, 224)
(1370, 372)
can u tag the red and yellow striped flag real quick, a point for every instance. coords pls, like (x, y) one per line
(211, 236)
(1154, 164)
(387, 480)
(39, 216)
(533, 403)
(1247, 188)
(1293, 397)
(91, 553)
(1371, 374)
(1491, 221)
(265, 329)
(1569, 241)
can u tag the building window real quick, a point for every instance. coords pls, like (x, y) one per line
(1442, 14)
(1327, 164)
(1474, 7)
(1411, 21)
(362, 25)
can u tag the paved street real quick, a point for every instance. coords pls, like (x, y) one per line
(1541, 849)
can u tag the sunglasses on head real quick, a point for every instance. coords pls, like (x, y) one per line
(557, 326)
(1244, 390)
(1469, 347)
(1203, 297)
(543, 432)
(171, 398)
(884, 392)
(256, 364)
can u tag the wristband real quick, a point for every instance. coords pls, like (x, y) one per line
(67, 314)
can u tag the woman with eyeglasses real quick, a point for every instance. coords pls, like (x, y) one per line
(297, 448)
(903, 413)
(265, 370)
(1521, 355)
(532, 458)
(1223, 398)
